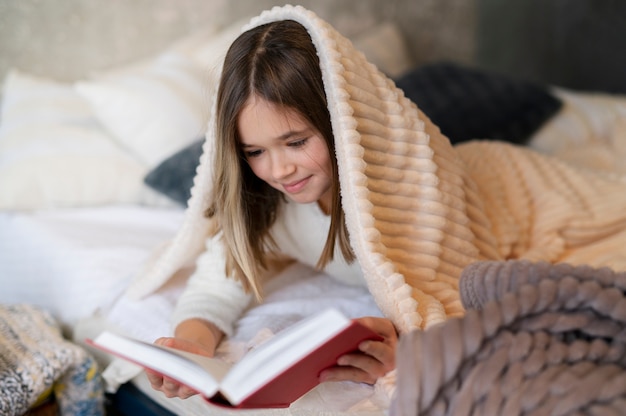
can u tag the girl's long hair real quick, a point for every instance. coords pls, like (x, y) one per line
(277, 62)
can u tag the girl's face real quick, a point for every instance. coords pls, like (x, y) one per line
(284, 151)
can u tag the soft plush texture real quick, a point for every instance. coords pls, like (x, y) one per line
(419, 210)
(537, 338)
(469, 103)
(53, 153)
(35, 358)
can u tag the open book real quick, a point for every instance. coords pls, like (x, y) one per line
(274, 374)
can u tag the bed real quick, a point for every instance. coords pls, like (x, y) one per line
(95, 173)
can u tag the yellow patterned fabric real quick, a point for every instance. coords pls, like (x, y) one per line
(419, 210)
(36, 361)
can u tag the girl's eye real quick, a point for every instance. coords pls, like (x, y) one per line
(298, 143)
(253, 153)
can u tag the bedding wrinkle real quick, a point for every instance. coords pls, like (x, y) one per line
(365, 90)
(386, 128)
(425, 235)
(377, 115)
(380, 179)
(402, 141)
(427, 255)
(418, 245)
(422, 163)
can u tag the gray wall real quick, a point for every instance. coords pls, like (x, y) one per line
(580, 44)
(65, 39)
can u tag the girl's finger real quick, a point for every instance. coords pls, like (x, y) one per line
(155, 380)
(341, 373)
(380, 351)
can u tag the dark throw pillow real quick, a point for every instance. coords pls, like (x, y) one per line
(174, 176)
(468, 103)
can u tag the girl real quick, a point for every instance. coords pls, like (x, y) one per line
(275, 139)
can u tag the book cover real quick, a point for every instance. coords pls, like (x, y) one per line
(272, 375)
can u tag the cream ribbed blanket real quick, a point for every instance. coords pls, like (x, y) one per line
(418, 210)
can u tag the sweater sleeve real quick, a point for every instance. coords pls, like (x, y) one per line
(210, 294)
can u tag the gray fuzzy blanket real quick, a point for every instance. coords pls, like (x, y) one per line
(537, 339)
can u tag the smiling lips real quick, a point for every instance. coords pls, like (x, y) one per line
(295, 187)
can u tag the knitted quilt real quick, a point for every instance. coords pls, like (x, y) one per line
(537, 339)
(35, 360)
(419, 210)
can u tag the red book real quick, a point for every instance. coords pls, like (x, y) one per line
(272, 375)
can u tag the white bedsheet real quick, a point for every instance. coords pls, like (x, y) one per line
(76, 261)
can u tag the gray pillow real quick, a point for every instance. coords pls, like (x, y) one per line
(470, 103)
(174, 176)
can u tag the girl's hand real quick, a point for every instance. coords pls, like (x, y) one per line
(374, 359)
(170, 387)
(195, 336)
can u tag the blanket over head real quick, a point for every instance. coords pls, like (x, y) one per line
(418, 210)
(537, 338)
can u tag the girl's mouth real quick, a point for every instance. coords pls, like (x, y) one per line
(296, 187)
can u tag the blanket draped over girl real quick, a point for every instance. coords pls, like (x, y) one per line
(419, 210)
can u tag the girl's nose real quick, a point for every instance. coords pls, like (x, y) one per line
(282, 166)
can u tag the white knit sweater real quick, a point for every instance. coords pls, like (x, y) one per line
(299, 232)
(418, 210)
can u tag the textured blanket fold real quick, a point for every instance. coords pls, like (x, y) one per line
(35, 358)
(418, 210)
(537, 338)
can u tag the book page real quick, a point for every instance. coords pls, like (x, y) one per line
(216, 367)
(280, 352)
(199, 373)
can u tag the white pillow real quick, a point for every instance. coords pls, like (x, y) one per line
(152, 109)
(589, 131)
(385, 47)
(157, 107)
(53, 153)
